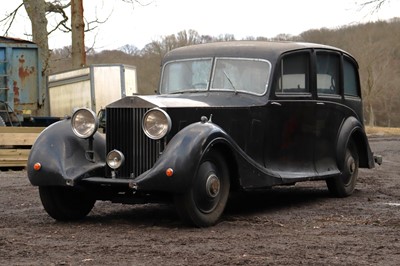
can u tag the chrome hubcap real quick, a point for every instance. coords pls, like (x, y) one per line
(213, 186)
(351, 165)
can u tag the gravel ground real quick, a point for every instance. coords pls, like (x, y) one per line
(298, 225)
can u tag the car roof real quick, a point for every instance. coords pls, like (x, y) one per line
(247, 49)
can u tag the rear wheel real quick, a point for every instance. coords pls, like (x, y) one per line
(203, 204)
(343, 185)
(65, 203)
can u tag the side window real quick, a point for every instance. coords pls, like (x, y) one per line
(350, 78)
(328, 73)
(294, 74)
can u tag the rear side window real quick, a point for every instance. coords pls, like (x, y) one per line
(350, 78)
(294, 74)
(328, 67)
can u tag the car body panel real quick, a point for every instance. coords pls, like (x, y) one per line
(63, 157)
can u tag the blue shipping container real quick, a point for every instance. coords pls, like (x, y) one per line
(20, 77)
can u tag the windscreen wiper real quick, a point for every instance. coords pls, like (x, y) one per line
(230, 81)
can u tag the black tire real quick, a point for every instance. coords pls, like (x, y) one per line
(344, 185)
(203, 204)
(65, 203)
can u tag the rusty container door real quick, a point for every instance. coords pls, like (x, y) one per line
(3, 75)
(24, 80)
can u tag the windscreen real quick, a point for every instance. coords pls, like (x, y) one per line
(186, 76)
(220, 74)
(244, 75)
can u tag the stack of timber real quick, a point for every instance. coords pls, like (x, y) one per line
(15, 145)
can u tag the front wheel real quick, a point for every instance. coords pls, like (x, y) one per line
(344, 185)
(65, 203)
(203, 204)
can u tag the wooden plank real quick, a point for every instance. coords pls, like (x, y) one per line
(13, 157)
(14, 154)
(21, 129)
(23, 139)
(23, 136)
(13, 164)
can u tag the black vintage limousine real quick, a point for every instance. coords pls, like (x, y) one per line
(230, 116)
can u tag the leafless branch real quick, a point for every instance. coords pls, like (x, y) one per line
(89, 24)
(9, 19)
(90, 49)
(57, 7)
(376, 4)
(133, 2)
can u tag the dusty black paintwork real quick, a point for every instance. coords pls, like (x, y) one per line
(266, 140)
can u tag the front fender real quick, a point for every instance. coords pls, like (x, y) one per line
(62, 156)
(182, 154)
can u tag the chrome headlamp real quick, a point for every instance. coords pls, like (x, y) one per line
(84, 123)
(156, 123)
(115, 159)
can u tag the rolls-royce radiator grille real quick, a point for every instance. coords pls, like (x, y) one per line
(124, 133)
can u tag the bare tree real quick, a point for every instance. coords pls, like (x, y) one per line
(38, 10)
(188, 37)
(130, 49)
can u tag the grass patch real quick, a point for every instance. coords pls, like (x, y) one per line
(382, 131)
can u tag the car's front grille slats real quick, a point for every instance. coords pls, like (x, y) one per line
(124, 133)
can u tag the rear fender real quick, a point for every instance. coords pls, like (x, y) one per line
(63, 156)
(354, 130)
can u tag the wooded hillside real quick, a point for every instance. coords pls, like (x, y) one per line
(376, 46)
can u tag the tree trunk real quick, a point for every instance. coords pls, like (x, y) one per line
(78, 34)
(36, 10)
(371, 116)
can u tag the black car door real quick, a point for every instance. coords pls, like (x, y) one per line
(290, 136)
(338, 97)
(330, 111)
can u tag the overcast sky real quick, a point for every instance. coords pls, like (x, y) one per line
(138, 25)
